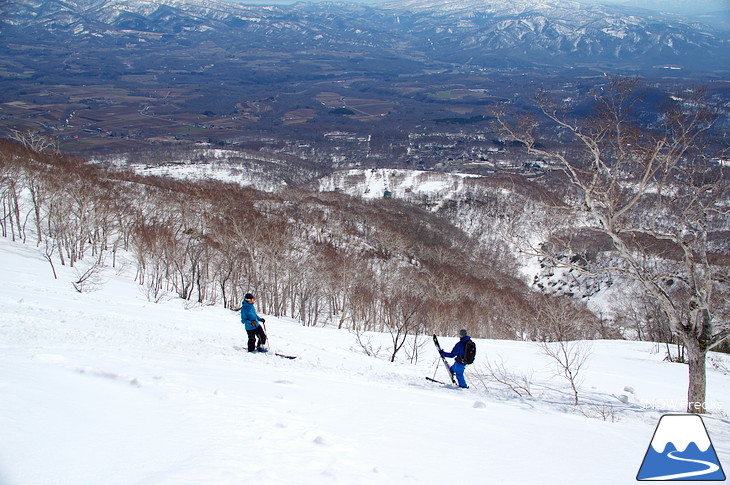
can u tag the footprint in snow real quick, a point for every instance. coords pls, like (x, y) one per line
(323, 441)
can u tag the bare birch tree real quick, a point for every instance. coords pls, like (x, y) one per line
(34, 140)
(651, 201)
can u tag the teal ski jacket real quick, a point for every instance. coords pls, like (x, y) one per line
(249, 317)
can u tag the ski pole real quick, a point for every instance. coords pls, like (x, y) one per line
(268, 347)
(435, 370)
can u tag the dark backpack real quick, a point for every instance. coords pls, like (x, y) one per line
(470, 351)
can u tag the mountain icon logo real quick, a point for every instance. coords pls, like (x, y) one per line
(681, 450)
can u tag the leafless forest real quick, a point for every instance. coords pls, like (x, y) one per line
(322, 258)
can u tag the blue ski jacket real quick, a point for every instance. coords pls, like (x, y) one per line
(249, 317)
(458, 350)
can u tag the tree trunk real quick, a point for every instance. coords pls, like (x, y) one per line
(696, 391)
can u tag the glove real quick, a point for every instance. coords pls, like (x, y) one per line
(441, 352)
(263, 320)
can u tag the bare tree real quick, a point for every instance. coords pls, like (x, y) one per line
(34, 140)
(89, 278)
(401, 309)
(651, 198)
(519, 383)
(365, 341)
(48, 254)
(570, 357)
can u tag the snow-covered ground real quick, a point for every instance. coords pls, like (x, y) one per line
(108, 388)
(231, 166)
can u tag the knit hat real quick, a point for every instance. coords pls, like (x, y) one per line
(463, 332)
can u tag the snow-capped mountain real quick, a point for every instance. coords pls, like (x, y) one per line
(681, 431)
(474, 32)
(527, 29)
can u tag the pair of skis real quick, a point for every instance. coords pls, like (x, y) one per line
(265, 348)
(446, 364)
(283, 356)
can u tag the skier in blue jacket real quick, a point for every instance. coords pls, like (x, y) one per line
(457, 353)
(251, 320)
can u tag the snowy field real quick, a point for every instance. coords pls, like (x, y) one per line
(106, 388)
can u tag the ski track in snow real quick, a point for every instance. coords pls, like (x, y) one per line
(107, 387)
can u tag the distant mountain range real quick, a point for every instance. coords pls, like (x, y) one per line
(481, 33)
(711, 12)
(408, 83)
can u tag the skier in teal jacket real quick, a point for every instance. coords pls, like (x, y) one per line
(251, 320)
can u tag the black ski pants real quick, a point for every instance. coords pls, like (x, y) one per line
(252, 334)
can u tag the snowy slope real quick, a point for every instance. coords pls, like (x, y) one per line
(402, 184)
(247, 169)
(108, 388)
